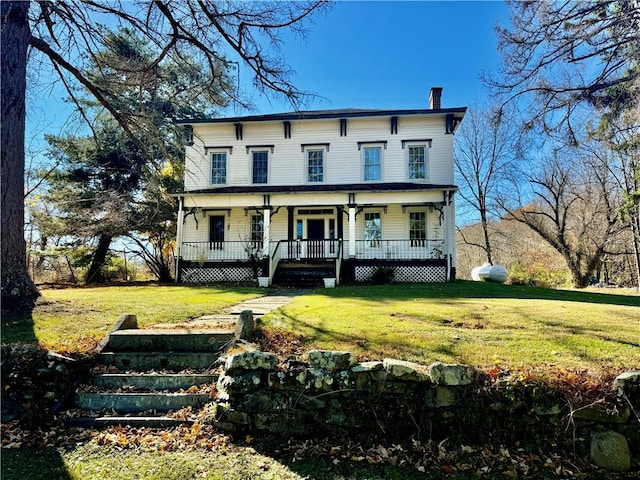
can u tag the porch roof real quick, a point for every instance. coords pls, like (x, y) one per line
(346, 188)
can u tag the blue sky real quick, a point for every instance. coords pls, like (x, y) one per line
(389, 54)
(363, 55)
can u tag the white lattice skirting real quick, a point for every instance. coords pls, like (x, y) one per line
(406, 274)
(217, 275)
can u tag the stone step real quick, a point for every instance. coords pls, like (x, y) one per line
(132, 421)
(162, 339)
(152, 381)
(139, 402)
(176, 361)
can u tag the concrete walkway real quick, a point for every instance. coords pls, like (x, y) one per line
(262, 305)
(227, 320)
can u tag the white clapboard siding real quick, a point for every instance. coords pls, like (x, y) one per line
(343, 164)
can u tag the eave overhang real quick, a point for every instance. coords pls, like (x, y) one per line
(326, 114)
(291, 189)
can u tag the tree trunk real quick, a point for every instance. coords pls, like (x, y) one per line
(579, 279)
(485, 231)
(18, 290)
(94, 274)
(635, 231)
(164, 274)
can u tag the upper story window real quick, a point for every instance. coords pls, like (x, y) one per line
(372, 161)
(260, 165)
(219, 168)
(372, 229)
(315, 166)
(417, 162)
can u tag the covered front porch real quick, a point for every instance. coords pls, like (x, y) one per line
(271, 242)
(210, 262)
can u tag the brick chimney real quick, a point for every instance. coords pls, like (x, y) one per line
(435, 95)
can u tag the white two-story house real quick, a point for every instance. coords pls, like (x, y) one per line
(348, 195)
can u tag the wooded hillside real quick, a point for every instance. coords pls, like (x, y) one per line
(529, 259)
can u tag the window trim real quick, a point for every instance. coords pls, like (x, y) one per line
(324, 148)
(252, 151)
(419, 242)
(367, 242)
(219, 243)
(217, 151)
(372, 145)
(427, 171)
(254, 238)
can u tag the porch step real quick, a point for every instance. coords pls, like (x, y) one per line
(164, 339)
(292, 274)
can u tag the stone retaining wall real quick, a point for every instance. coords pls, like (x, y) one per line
(332, 394)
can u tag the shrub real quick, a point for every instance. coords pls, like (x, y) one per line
(383, 275)
(537, 274)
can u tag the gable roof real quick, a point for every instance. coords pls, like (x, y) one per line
(324, 114)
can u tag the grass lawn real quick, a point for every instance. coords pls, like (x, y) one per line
(96, 462)
(475, 323)
(74, 319)
(479, 324)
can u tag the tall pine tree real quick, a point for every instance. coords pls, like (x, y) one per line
(109, 185)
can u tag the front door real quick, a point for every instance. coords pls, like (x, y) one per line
(315, 237)
(216, 232)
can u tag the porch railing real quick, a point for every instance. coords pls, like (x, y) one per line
(274, 259)
(221, 251)
(313, 249)
(339, 263)
(309, 249)
(400, 249)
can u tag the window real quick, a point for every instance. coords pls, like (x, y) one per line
(259, 166)
(372, 158)
(372, 229)
(216, 232)
(315, 166)
(257, 230)
(299, 228)
(418, 229)
(417, 162)
(187, 133)
(219, 168)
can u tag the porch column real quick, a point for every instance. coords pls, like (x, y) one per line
(290, 234)
(352, 230)
(451, 208)
(448, 240)
(266, 231)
